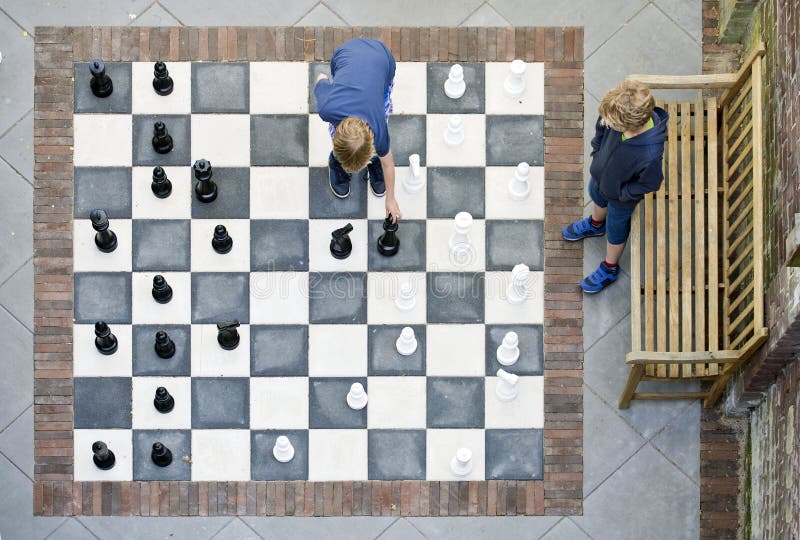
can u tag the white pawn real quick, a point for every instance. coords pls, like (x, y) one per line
(414, 181)
(506, 389)
(518, 186)
(283, 449)
(407, 343)
(406, 299)
(454, 132)
(461, 464)
(508, 351)
(514, 85)
(517, 290)
(454, 86)
(460, 244)
(357, 398)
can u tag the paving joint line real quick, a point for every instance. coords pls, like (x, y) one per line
(612, 473)
(657, 449)
(392, 525)
(16, 319)
(7, 14)
(64, 523)
(16, 467)
(145, 10)
(14, 273)
(10, 166)
(322, 3)
(309, 10)
(589, 348)
(471, 13)
(249, 527)
(679, 25)
(553, 526)
(20, 119)
(615, 32)
(170, 13)
(584, 531)
(16, 418)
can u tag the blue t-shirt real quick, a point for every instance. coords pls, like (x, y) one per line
(362, 70)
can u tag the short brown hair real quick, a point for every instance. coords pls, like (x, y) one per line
(353, 144)
(627, 106)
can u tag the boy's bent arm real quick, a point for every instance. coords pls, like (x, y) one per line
(649, 180)
(387, 164)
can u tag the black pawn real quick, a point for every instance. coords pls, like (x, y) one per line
(161, 455)
(161, 185)
(163, 402)
(162, 292)
(227, 335)
(100, 84)
(165, 347)
(162, 82)
(341, 246)
(104, 340)
(162, 140)
(104, 239)
(204, 188)
(222, 241)
(103, 457)
(388, 243)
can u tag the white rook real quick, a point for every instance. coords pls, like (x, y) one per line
(514, 85)
(454, 132)
(454, 86)
(506, 388)
(407, 343)
(406, 299)
(283, 449)
(413, 181)
(508, 351)
(461, 464)
(357, 397)
(518, 186)
(517, 290)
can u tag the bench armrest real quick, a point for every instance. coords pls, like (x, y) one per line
(651, 357)
(715, 80)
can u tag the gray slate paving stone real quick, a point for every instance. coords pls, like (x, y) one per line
(146, 363)
(106, 188)
(16, 519)
(178, 441)
(103, 296)
(233, 199)
(17, 97)
(17, 297)
(396, 454)
(327, 403)
(531, 344)
(383, 356)
(161, 245)
(278, 245)
(455, 402)
(119, 102)
(512, 139)
(410, 257)
(512, 242)
(16, 441)
(16, 385)
(16, 209)
(323, 204)
(178, 126)
(456, 189)
(338, 298)
(279, 140)
(514, 454)
(455, 297)
(220, 403)
(220, 87)
(408, 135)
(279, 351)
(264, 466)
(220, 297)
(17, 147)
(473, 99)
(102, 402)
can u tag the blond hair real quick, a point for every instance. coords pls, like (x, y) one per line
(627, 106)
(353, 144)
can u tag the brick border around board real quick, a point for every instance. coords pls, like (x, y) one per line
(55, 492)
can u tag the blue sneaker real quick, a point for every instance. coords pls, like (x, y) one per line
(600, 278)
(582, 229)
(338, 178)
(375, 176)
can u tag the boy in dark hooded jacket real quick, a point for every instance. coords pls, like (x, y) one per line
(627, 151)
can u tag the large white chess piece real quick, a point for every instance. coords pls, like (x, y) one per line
(406, 299)
(506, 389)
(518, 187)
(454, 132)
(514, 85)
(454, 86)
(357, 398)
(407, 343)
(460, 244)
(283, 449)
(508, 351)
(517, 290)
(461, 464)
(414, 181)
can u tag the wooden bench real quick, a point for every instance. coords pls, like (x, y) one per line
(697, 244)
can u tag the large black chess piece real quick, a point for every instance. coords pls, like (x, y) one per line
(388, 243)
(205, 189)
(165, 347)
(161, 455)
(103, 457)
(104, 340)
(341, 246)
(222, 241)
(100, 84)
(162, 82)
(163, 402)
(162, 292)
(161, 185)
(104, 239)
(227, 335)
(162, 140)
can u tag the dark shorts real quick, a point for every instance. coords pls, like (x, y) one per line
(618, 220)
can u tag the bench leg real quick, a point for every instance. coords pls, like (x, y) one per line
(634, 376)
(717, 388)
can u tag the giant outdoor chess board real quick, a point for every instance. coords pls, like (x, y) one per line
(311, 324)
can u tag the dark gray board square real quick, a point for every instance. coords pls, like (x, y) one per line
(408, 135)
(396, 454)
(514, 454)
(314, 69)
(531, 353)
(511, 139)
(456, 189)
(338, 297)
(120, 99)
(455, 297)
(473, 99)
(324, 204)
(220, 297)
(279, 140)
(278, 245)
(220, 87)
(102, 402)
(233, 195)
(178, 125)
(264, 466)
(512, 242)
(220, 403)
(179, 442)
(106, 188)
(145, 360)
(278, 350)
(327, 403)
(161, 245)
(455, 402)
(382, 352)
(410, 257)
(103, 296)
